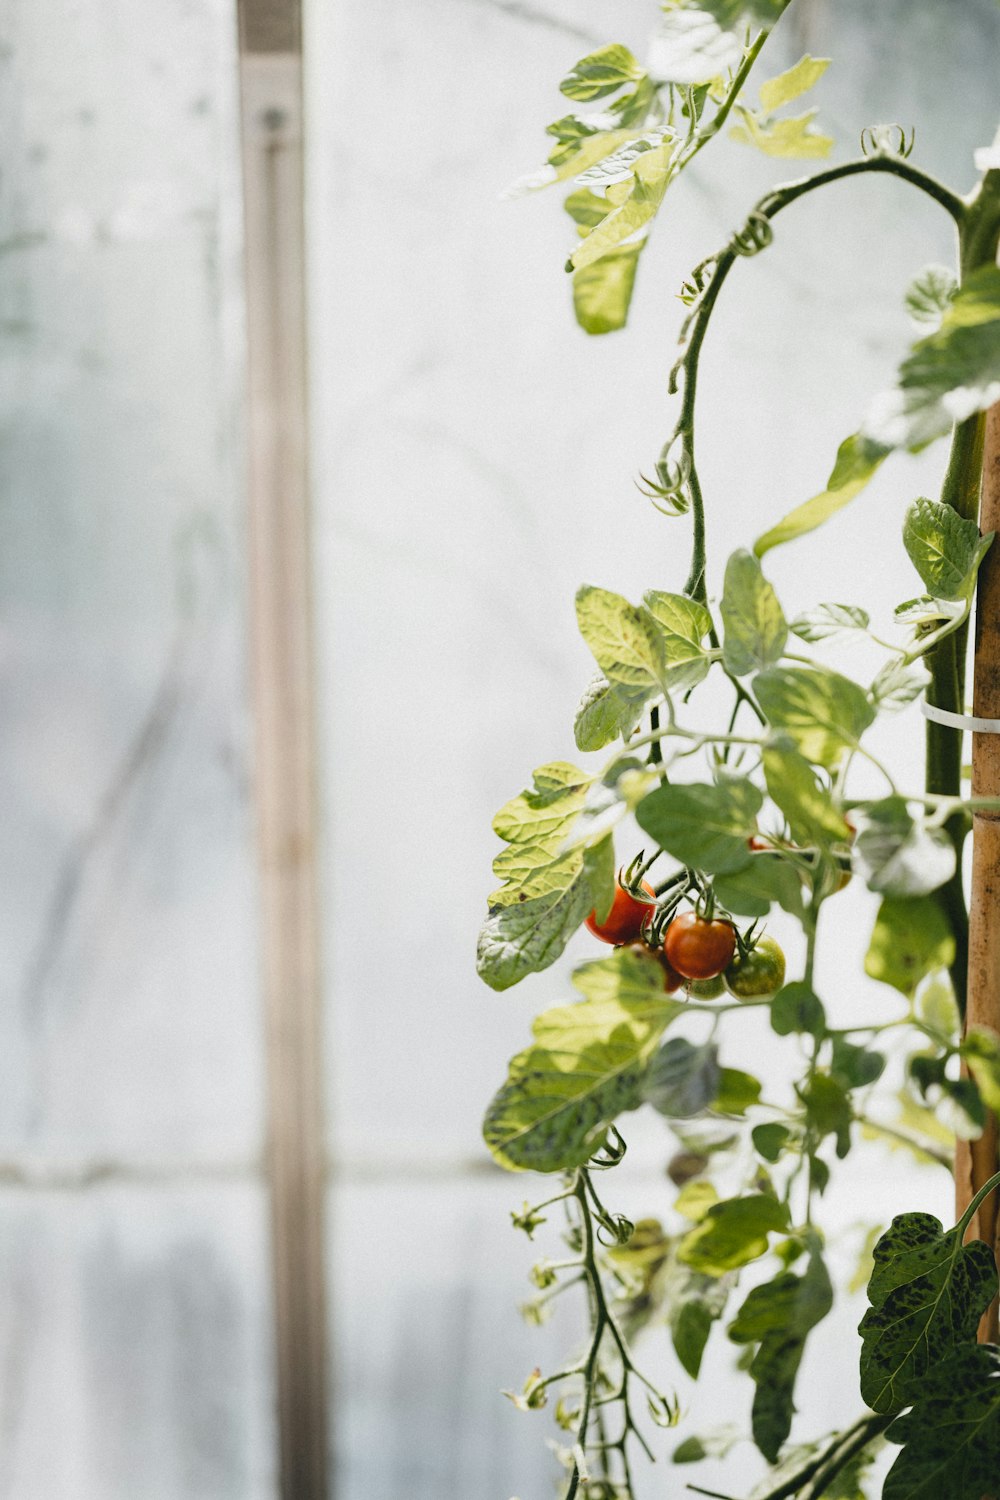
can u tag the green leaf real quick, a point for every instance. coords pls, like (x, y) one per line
(694, 1303)
(951, 1437)
(945, 549)
(755, 628)
(930, 294)
(734, 13)
(593, 149)
(601, 73)
(828, 1110)
(981, 1050)
(858, 458)
(795, 137)
(625, 640)
(808, 806)
(684, 623)
(605, 714)
(682, 1079)
(584, 1069)
(910, 940)
(628, 977)
(824, 713)
(855, 1067)
(705, 826)
(518, 940)
(796, 1008)
(927, 611)
(794, 82)
(779, 1316)
(733, 1233)
(896, 685)
(737, 1092)
(602, 292)
(897, 855)
(651, 174)
(827, 620)
(769, 1140)
(535, 825)
(927, 1293)
(948, 376)
(751, 891)
(715, 1443)
(690, 46)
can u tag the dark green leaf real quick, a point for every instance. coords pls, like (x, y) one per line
(706, 826)
(737, 1091)
(770, 1140)
(779, 1316)
(733, 1233)
(755, 628)
(911, 939)
(828, 1110)
(927, 1293)
(951, 1437)
(797, 1009)
(855, 1067)
(715, 1443)
(682, 1079)
(766, 878)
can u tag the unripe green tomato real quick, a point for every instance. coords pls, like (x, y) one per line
(706, 989)
(760, 973)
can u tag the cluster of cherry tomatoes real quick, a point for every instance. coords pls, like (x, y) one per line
(699, 951)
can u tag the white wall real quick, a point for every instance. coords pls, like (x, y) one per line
(135, 1356)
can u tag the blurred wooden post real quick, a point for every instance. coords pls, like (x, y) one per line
(976, 1161)
(281, 637)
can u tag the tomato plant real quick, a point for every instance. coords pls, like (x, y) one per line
(755, 812)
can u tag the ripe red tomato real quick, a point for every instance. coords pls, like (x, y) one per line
(699, 948)
(623, 923)
(671, 979)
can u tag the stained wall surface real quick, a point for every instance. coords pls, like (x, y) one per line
(135, 1323)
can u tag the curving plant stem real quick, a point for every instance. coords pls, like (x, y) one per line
(977, 1160)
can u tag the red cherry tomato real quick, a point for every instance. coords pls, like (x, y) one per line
(623, 923)
(671, 979)
(699, 948)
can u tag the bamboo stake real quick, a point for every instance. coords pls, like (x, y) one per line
(284, 712)
(976, 1161)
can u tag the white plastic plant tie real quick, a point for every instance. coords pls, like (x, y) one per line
(959, 721)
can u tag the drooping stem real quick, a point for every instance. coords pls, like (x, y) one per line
(766, 210)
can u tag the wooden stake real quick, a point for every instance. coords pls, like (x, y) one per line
(285, 770)
(976, 1161)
